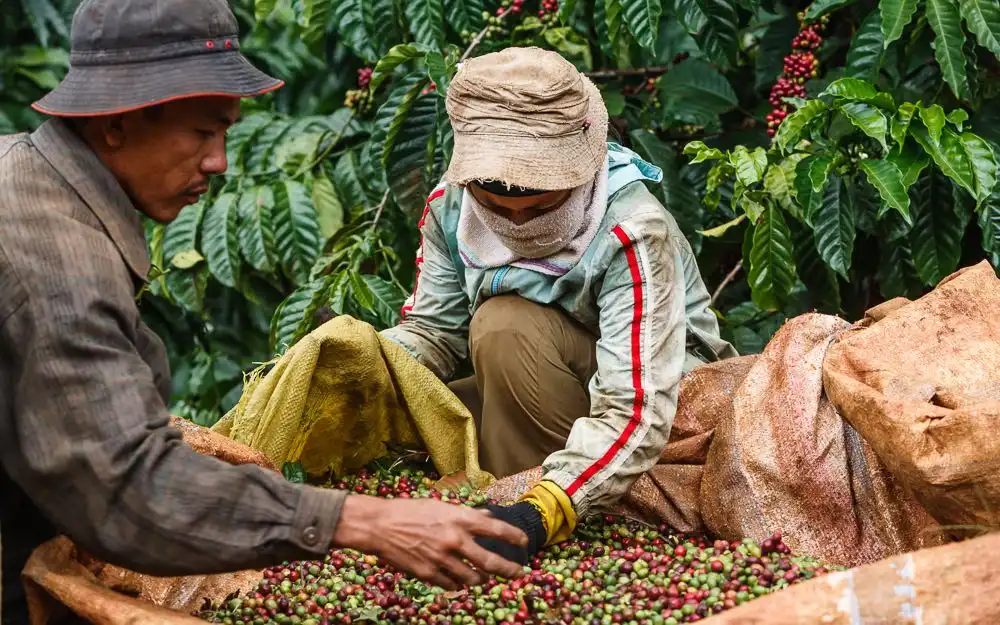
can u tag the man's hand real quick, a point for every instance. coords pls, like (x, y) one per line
(428, 538)
(526, 518)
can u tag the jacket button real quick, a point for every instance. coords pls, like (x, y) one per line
(310, 536)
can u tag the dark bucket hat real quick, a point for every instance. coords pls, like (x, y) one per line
(131, 54)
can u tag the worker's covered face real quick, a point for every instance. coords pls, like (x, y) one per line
(164, 157)
(519, 209)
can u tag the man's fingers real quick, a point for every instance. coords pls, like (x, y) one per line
(459, 571)
(430, 574)
(485, 524)
(490, 562)
(444, 581)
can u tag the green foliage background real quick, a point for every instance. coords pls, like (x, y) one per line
(879, 184)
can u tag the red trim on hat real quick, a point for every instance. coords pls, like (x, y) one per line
(206, 94)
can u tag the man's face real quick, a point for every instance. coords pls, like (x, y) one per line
(520, 210)
(165, 157)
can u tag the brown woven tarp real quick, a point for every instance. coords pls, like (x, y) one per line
(769, 442)
(956, 584)
(61, 579)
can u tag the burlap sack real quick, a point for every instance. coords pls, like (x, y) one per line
(337, 398)
(60, 579)
(786, 460)
(921, 384)
(948, 585)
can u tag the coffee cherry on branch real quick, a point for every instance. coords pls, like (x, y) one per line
(548, 11)
(863, 149)
(495, 27)
(515, 6)
(364, 77)
(359, 100)
(648, 85)
(799, 66)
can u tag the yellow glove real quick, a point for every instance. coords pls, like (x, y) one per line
(556, 509)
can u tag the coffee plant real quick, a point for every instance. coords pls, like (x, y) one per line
(852, 164)
(818, 155)
(34, 56)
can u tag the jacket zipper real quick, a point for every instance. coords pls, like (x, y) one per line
(498, 279)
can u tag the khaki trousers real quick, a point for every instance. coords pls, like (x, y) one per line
(533, 364)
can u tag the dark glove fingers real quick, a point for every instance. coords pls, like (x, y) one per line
(529, 520)
(505, 550)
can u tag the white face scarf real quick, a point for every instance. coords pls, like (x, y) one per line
(551, 243)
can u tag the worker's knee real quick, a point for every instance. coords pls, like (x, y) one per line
(506, 322)
(532, 366)
(509, 333)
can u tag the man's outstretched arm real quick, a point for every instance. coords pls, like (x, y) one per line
(88, 440)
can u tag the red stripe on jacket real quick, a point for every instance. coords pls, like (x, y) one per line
(420, 259)
(637, 297)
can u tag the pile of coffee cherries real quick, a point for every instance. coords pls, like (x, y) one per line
(799, 66)
(612, 572)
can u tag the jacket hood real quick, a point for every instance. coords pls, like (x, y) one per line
(625, 167)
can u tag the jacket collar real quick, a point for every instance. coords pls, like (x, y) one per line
(91, 179)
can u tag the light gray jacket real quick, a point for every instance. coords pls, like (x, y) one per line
(637, 287)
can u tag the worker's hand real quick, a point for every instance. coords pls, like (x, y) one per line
(526, 518)
(428, 538)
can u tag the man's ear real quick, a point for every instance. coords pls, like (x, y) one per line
(111, 129)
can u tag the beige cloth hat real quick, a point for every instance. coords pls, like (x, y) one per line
(526, 117)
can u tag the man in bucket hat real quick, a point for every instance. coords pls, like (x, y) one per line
(138, 126)
(546, 262)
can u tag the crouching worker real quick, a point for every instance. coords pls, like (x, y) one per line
(546, 260)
